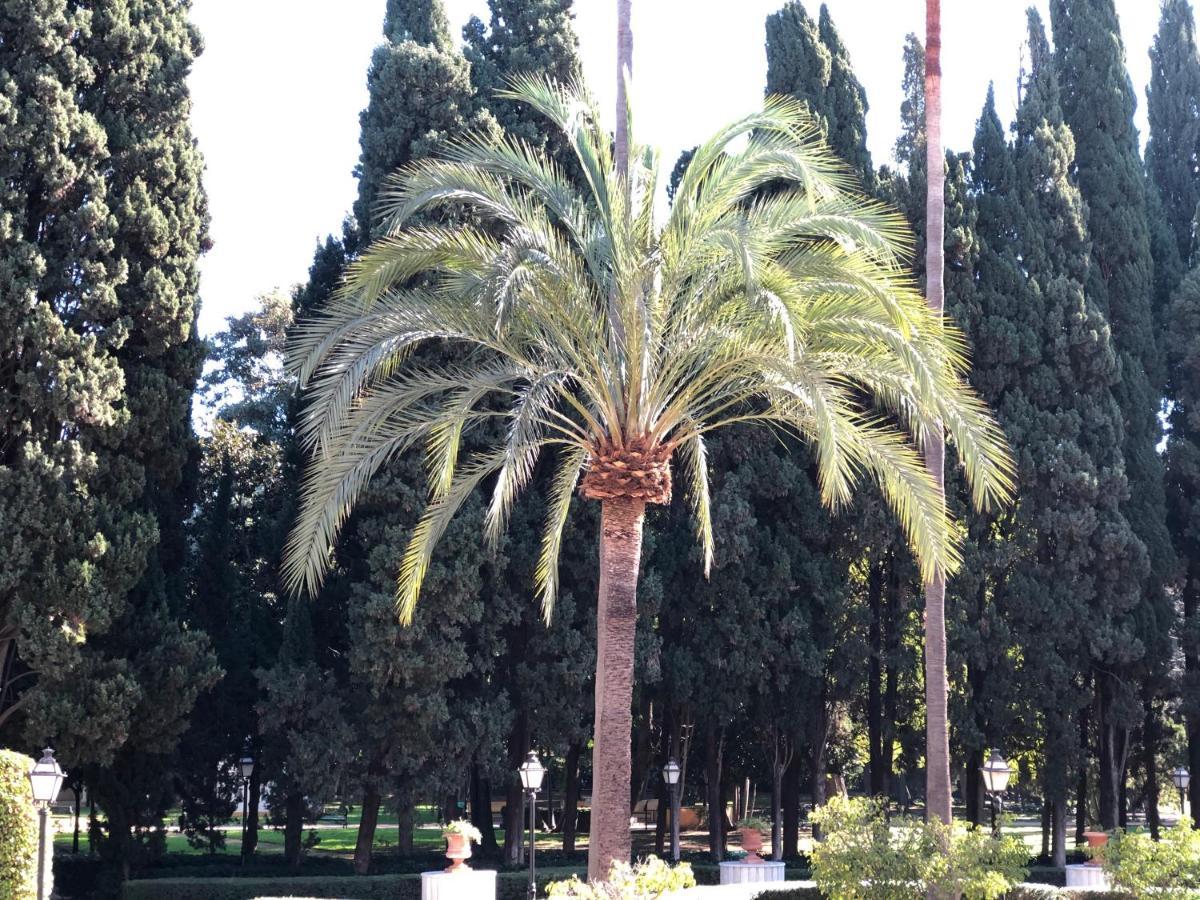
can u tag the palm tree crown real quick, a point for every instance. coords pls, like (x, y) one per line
(772, 293)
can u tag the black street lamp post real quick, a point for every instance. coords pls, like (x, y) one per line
(247, 765)
(996, 773)
(671, 777)
(45, 781)
(532, 773)
(1182, 779)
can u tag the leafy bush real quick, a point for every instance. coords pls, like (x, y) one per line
(509, 886)
(1142, 866)
(866, 857)
(649, 879)
(18, 829)
(465, 828)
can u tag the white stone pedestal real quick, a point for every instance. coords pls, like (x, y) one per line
(751, 873)
(1087, 875)
(472, 884)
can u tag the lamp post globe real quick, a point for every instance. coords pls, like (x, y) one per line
(532, 772)
(247, 766)
(45, 781)
(671, 774)
(996, 772)
(1182, 778)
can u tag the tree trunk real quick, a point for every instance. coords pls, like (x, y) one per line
(1108, 787)
(713, 794)
(255, 793)
(973, 790)
(1191, 682)
(77, 787)
(1047, 815)
(816, 758)
(777, 769)
(481, 811)
(621, 523)
(406, 818)
(875, 783)
(366, 830)
(571, 797)
(1081, 784)
(293, 829)
(937, 753)
(624, 73)
(891, 689)
(1150, 737)
(1059, 822)
(791, 809)
(514, 797)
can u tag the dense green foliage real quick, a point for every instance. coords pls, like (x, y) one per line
(647, 879)
(18, 829)
(1143, 866)
(866, 856)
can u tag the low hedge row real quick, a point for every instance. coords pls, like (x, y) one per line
(509, 886)
(1022, 892)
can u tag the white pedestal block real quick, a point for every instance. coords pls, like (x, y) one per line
(751, 873)
(472, 884)
(1086, 875)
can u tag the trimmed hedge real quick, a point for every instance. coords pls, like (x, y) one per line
(18, 830)
(509, 886)
(1021, 892)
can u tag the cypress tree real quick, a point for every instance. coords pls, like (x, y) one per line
(142, 52)
(808, 60)
(1068, 563)
(524, 37)
(420, 95)
(71, 543)
(1172, 157)
(1098, 105)
(1173, 107)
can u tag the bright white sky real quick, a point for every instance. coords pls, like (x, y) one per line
(279, 87)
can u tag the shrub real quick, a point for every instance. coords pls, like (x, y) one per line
(866, 857)
(1142, 866)
(649, 879)
(18, 829)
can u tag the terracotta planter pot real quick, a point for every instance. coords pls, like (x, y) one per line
(458, 849)
(1096, 840)
(752, 842)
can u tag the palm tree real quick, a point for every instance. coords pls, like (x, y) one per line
(937, 739)
(585, 332)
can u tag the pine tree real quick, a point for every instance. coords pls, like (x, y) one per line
(420, 95)
(1098, 105)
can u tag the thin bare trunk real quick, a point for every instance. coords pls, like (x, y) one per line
(621, 523)
(571, 797)
(624, 73)
(937, 786)
(366, 830)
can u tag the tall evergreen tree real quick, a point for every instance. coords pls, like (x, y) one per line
(524, 37)
(1045, 358)
(808, 60)
(1173, 164)
(1098, 105)
(71, 542)
(1173, 107)
(420, 93)
(142, 52)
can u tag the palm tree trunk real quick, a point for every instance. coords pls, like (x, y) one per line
(937, 785)
(616, 622)
(624, 72)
